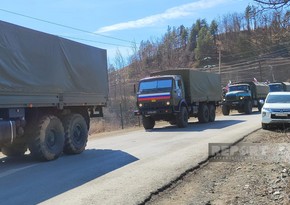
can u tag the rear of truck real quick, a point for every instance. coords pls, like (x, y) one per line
(177, 95)
(49, 89)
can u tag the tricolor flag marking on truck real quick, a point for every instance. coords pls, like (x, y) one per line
(157, 96)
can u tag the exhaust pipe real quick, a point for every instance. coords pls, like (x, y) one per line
(7, 132)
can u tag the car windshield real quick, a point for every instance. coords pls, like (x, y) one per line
(238, 87)
(278, 99)
(147, 86)
(275, 87)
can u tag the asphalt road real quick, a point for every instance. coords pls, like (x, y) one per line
(120, 168)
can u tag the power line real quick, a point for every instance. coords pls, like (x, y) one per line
(81, 39)
(64, 26)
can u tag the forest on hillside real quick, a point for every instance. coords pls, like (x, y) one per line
(239, 46)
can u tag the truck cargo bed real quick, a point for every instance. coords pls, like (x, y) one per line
(40, 69)
(199, 86)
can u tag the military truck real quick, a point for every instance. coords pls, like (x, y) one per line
(49, 89)
(244, 96)
(279, 86)
(175, 95)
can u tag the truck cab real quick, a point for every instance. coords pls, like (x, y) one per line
(238, 92)
(159, 98)
(279, 86)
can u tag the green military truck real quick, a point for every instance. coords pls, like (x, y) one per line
(175, 95)
(49, 89)
(244, 96)
(279, 86)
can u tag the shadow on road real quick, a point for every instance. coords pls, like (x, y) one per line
(24, 181)
(198, 127)
(238, 114)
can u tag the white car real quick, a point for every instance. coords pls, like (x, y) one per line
(276, 109)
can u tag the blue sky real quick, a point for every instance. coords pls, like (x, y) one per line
(101, 23)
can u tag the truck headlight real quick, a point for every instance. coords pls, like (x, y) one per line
(168, 103)
(140, 104)
(263, 114)
(242, 97)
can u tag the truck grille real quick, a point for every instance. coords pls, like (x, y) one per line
(154, 105)
(231, 98)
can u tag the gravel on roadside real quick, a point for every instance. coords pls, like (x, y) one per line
(241, 182)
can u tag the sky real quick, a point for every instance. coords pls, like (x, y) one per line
(114, 25)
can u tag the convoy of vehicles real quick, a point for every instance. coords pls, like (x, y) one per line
(244, 96)
(276, 109)
(49, 89)
(278, 87)
(175, 95)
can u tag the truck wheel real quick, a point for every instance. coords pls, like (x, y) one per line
(225, 110)
(203, 115)
(211, 113)
(248, 107)
(47, 141)
(76, 134)
(148, 122)
(182, 118)
(14, 150)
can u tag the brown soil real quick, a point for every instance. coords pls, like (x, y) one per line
(247, 182)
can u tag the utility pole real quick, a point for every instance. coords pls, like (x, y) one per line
(260, 68)
(220, 59)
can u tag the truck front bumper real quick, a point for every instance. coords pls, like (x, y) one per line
(154, 112)
(234, 104)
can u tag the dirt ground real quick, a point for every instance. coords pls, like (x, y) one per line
(240, 182)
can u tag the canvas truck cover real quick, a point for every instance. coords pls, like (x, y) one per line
(259, 89)
(36, 65)
(199, 86)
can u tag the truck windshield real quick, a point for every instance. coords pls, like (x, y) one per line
(164, 85)
(275, 87)
(238, 87)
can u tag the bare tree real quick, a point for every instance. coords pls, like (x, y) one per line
(273, 4)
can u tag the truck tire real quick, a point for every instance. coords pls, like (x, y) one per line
(47, 140)
(203, 113)
(14, 150)
(148, 122)
(225, 110)
(211, 113)
(182, 118)
(76, 134)
(248, 107)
